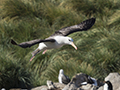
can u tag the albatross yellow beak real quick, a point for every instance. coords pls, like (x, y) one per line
(74, 45)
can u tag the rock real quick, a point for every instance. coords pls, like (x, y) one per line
(114, 78)
(89, 87)
(44, 87)
(83, 87)
(70, 86)
(55, 86)
(18, 89)
(101, 88)
(50, 85)
(59, 85)
(118, 88)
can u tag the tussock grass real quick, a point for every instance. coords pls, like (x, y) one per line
(92, 7)
(98, 51)
(12, 73)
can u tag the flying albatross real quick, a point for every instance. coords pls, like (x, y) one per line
(62, 78)
(58, 39)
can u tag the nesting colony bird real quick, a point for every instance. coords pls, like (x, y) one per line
(62, 78)
(94, 81)
(108, 85)
(85, 79)
(58, 39)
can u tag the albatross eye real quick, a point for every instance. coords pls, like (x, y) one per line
(70, 40)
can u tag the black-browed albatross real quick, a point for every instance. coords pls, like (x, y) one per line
(58, 39)
(62, 78)
(108, 85)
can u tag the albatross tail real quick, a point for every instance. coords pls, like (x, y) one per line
(13, 42)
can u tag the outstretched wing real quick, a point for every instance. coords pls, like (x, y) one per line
(83, 26)
(31, 43)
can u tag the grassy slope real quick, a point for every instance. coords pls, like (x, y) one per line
(98, 51)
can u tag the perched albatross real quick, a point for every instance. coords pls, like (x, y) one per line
(63, 78)
(58, 39)
(108, 85)
(94, 81)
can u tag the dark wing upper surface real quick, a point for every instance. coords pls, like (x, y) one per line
(83, 26)
(65, 79)
(31, 43)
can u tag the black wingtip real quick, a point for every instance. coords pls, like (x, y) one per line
(88, 23)
(13, 42)
(91, 20)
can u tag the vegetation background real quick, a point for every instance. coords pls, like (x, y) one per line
(98, 51)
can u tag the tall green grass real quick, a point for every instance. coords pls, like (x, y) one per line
(98, 51)
(12, 73)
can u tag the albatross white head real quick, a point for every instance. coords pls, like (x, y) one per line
(61, 71)
(65, 41)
